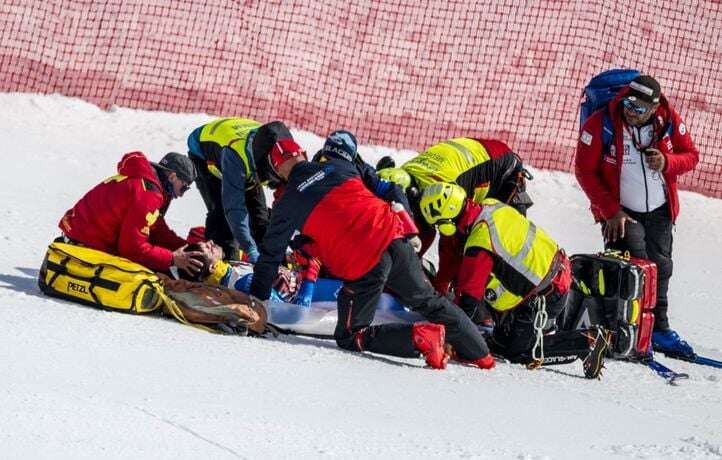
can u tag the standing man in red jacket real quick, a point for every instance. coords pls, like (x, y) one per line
(629, 156)
(124, 214)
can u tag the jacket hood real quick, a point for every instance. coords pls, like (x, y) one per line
(135, 164)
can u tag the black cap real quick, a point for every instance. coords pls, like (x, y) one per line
(264, 139)
(179, 164)
(644, 88)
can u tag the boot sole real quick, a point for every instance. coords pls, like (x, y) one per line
(599, 359)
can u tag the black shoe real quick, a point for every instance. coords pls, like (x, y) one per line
(599, 340)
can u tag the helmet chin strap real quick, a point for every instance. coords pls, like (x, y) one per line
(447, 227)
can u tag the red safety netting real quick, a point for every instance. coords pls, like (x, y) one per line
(403, 73)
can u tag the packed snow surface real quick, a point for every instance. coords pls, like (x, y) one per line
(81, 383)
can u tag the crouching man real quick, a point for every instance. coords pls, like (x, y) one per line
(361, 240)
(513, 266)
(124, 214)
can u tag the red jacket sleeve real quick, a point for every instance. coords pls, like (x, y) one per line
(133, 242)
(684, 156)
(474, 273)
(310, 266)
(587, 167)
(313, 269)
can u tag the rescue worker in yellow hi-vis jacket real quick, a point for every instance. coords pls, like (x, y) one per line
(492, 254)
(484, 168)
(230, 180)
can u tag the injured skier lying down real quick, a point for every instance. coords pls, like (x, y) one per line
(238, 275)
(314, 311)
(297, 282)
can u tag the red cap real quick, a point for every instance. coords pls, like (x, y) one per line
(284, 150)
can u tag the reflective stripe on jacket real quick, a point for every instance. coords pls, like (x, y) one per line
(446, 161)
(479, 166)
(523, 254)
(233, 133)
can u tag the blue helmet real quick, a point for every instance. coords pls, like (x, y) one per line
(341, 144)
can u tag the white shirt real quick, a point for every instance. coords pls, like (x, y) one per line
(641, 188)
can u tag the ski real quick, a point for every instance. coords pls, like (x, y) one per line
(663, 371)
(696, 359)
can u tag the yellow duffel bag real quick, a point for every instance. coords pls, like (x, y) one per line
(99, 279)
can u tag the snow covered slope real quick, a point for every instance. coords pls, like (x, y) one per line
(81, 383)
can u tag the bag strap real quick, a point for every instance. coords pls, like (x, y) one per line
(95, 280)
(607, 130)
(58, 269)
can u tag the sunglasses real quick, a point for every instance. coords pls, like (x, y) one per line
(638, 109)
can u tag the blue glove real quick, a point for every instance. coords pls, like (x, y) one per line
(275, 296)
(244, 285)
(305, 293)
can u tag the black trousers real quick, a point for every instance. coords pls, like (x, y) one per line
(217, 228)
(651, 238)
(514, 335)
(400, 271)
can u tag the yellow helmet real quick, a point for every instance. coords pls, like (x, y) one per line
(396, 175)
(440, 204)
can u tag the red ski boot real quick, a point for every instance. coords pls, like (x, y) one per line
(429, 340)
(485, 362)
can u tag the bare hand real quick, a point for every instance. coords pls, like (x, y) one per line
(614, 227)
(655, 159)
(187, 261)
(415, 243)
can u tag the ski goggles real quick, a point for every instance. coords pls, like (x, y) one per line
(638, 109)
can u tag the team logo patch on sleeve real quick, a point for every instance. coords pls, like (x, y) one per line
(586, 138)
(682, 129)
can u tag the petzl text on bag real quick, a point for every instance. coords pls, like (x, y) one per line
(99, 279)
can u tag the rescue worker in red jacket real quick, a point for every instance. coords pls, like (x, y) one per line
(124, 214)
(513, 266)
(361, 239)
(629, 157)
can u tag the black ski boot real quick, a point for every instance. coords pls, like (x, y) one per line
(599, 340)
